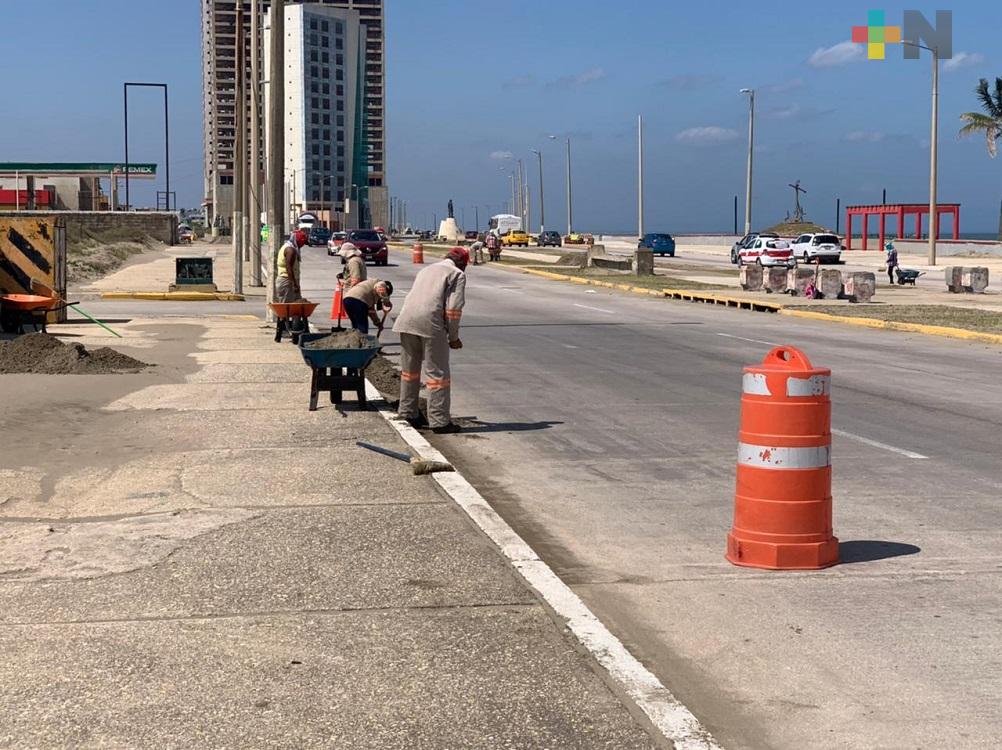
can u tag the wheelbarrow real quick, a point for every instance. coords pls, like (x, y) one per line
(18, 310)
(908, 276)
(292, 317)
(337, 370)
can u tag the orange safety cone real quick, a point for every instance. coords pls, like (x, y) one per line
(337, 304)
(783, 500)
(417, 254)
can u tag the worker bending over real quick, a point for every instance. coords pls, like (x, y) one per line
(287, 267)
(361, 301)
(428, 325)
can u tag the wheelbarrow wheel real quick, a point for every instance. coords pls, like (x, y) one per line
(9, 321)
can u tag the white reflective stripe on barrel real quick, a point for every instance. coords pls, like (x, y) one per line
(771, 457)
(815, 385)
(754, 383)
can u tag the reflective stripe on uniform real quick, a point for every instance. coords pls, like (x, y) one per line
(453, 314)
(438, 385)
(771, 457)
(411, 377)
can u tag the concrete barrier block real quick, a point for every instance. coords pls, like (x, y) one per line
(954, 276)
(751, 278)
(830, 282)
(976, 280)
(797, 280)
(775, 280)
(860, 286)
(643, 262)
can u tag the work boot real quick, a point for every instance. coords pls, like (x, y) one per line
(447, 429)
(417, 422)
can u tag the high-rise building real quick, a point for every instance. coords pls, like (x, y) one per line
(354, 170)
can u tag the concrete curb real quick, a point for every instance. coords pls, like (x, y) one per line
(176, 296)
(893, 325)
(668, 715)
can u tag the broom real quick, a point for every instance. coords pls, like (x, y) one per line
(418, 465)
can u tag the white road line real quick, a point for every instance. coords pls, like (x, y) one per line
(665, 711)
(877, 444)
(596, 309)
(754, 341)
(570, 346)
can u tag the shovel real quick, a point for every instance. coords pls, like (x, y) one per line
(419, 466)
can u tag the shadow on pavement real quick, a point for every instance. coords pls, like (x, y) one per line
(472, 426)
(534, 325)
(868, 550)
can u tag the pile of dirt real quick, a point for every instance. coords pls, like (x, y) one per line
(46, 355)
(91, 255)
(385, 378)
(795, 229)
(345, 340)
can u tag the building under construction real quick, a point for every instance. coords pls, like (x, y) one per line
(359, 187)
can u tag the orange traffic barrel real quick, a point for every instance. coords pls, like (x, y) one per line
(337, 304)
(417, 254)
(783, 500)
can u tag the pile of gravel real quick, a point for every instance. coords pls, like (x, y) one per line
(345, 340)
(46, 355)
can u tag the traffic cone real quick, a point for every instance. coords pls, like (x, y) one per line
(337, 305)
(783, 499)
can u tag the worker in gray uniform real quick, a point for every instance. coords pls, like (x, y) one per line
(354, 265)
(428, 325)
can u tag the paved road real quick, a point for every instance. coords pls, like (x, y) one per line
(609, 443)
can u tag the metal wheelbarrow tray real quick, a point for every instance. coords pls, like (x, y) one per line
(292, 317)
(16, 310)
(337, 370)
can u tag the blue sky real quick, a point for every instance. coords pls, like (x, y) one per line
(470, 81)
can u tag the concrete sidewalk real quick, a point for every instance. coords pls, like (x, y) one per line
(190, 558)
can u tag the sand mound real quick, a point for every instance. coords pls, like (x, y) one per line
(344, 340)
(47, 355)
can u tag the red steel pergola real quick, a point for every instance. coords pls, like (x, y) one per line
(899, 210)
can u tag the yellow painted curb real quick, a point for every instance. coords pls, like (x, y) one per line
(894, 325)
(176, 296)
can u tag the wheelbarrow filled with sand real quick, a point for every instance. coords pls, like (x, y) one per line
(338, 361)
(293, 317)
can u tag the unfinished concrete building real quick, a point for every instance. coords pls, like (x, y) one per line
(366, 186)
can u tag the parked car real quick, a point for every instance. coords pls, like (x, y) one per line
(334, 243)
(817, 246)
(574, 239)
(372, 245)
(767, 251)
(549, 239)
(185, 234)
(515, 237)
(318, 237)
(471, 234)
(660, 243)
(747, 241)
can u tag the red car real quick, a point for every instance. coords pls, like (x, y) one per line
(372, 245)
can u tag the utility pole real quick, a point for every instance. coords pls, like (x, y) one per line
(528, 208)
(276, 142)
(521, 193)
(838, 217)
(238, 160)
(933, 149)
(255, 162)
(640, 176)
(476, 211)
(542, 210)
(751, 148)
(735, 214)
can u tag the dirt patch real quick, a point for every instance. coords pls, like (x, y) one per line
(91, 255)
(46, 355)
(344, 340)
(984, 321)
(385, 378)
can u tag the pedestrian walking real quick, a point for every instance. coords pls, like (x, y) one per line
(362, 301)
(428, 325)
(287, 267)
(892, 260)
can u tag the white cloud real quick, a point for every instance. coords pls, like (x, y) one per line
(962, 60)
(579, 79)
(842, 53)
(865, 136)
(783, 87)
(786, 113)
(690, 81)
(707, 135)
(501, 155)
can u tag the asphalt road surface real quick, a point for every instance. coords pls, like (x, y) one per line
(605, 431)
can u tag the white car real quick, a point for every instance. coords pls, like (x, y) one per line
(827, 248)
(767, 251)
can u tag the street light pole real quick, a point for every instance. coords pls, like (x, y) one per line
(569, 212)
(542, 210)
(276, 144)
(751, 147)
(640, 176)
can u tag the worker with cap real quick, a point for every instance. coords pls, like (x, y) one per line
(362, 300)
(287, 268)
(354, 265)
(477, 252)
(428, 325)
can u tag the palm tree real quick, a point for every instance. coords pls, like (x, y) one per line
(988, 122)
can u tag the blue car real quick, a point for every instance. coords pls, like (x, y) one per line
(660, 244)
